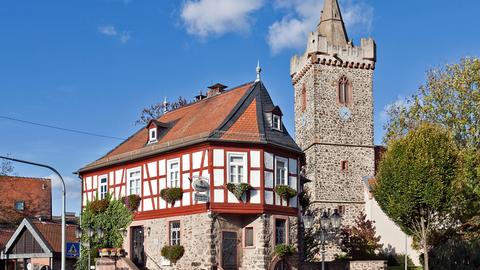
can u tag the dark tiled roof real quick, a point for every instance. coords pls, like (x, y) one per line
(241, 114)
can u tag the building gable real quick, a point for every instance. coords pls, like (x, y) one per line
(27, 240)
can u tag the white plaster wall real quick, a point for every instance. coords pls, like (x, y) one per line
(390, 233)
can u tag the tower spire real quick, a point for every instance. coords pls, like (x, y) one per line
(259, 70)
(331, 24)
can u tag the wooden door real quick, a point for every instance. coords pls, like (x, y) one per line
(138, 256)
(229, 250)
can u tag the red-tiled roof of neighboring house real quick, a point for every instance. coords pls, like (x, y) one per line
(241, 114)
(52, 233)
(5, 234)
(34, 193)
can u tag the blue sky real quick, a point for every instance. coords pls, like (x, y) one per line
(93, 65)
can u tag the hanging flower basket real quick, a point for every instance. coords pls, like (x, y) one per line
(238, 189)
(285, 192)
(132, 202)
(99, 206)
(171, 195)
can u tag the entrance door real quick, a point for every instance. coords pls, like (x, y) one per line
(229, 250)
(138, 257)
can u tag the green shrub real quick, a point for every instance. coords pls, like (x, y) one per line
(283, 251)
(285, 192)
(112, 220)
(171, 195)
(238, 189)
(173, 253)
(132, 202)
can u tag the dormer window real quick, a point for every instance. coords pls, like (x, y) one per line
(276, 122)
(277, 118)
(152, 135)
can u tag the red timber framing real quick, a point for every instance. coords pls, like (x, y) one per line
(202, 160)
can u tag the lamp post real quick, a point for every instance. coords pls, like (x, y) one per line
(90, 233)
(64, 193)
(329, 226)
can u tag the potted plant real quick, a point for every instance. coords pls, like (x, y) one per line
(238, 189)
(286, 192)
(171, 195)
(173, 253)
(104, 252)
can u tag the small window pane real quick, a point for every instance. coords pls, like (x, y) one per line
(175, 233)
(249, 237)
(20, 206)
(280, 232)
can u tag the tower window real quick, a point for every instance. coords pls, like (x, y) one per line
(304, 98)
(344, 165)
(343, 91)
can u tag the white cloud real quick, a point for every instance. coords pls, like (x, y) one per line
(73, 185)
(203, 18)
(111, 31)
(302, 17)
(400, 102)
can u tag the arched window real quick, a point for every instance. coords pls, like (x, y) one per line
(343, 91)
(304, 98)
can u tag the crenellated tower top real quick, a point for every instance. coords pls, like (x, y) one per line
(329, 45)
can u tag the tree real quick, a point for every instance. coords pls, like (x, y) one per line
(449, 98)
(157, 110)
(6, 167)
(415, 182)
(360, 242)
(108, 214)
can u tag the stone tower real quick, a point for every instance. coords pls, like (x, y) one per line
(334, 114)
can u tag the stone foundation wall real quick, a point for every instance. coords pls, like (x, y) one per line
(195, 237)
(368, 265)
(201, 236)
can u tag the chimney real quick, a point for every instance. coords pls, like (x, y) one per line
(215, 89)
(200, 96)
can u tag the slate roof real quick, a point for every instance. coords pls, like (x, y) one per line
(241, 114)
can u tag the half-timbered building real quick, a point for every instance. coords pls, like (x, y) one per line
(225, 137)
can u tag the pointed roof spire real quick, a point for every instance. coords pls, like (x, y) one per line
(165, 105)
(331, 24)
(259, 70)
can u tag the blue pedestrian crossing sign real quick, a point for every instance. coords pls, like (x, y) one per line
(73, 249)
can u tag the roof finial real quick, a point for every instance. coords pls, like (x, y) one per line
(259, 70)
(165, 105)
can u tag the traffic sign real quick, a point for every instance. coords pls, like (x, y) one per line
(73, 249)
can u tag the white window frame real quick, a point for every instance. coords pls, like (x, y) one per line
(243, 155)
(102, 186)
(137, 187)
(278, 126)
(173, 183)
(22, 203)
(152, 135)
(285, 171)
(175, 232)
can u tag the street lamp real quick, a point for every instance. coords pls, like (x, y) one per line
(329, 226)
(90, 233)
